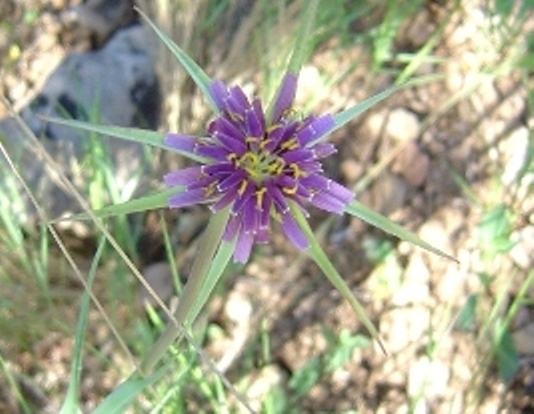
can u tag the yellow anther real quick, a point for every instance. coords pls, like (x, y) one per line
(242, 187)
(259, 197)
(234, 116)
(210, 189)
(297, 171)
(290, 190)
(290, 144)
(264, 142)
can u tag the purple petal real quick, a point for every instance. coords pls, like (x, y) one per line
(253, 123)
(324, 149)
(316, 129)
(285, 97)
(298, 155)
(180, 142)
(251, 217)
(278, 198)
(226, 126)
(327, 202)
(293, 231)
(233, 180)
(203, 182)
(238, 96)
(231, 143)
(218, 168)
(231, 229)
(225, 200)
(182, 177)
(265, 214)
(243, 246)
(340, 192)
(187, 198)
(212, 151)
(262, 236)
(326, 185)
(219, 93)
(243, 198)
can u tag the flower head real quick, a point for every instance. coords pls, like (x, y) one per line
(256, 163)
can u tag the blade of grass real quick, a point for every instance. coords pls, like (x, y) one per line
(70, 405)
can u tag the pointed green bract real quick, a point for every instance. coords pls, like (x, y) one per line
(349, 114)
(203, 267)
(321, 259)
(202, 80)
(218, 265)
(141, 136)
(375, 219)
(151, 202)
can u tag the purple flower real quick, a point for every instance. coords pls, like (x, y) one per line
(256, 163)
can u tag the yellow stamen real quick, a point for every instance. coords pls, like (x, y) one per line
(242, 187)
(290, 190)
(259, 197)
(290, 144)
(297, 171)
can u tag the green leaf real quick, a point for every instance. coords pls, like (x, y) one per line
(506, 354)
(70, 405)
(141, 136)
(193, 69)
(150, 202)
(375, 219)
(124, 394)
(344, 349)
(324, 263)
(306, 377)
(467, 316)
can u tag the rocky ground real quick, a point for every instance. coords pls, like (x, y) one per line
(439, 158)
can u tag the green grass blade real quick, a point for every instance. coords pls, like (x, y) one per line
(198, 75)
(375, 219)
(321, 259)
(141, 136)
(70, 405)
(125, 394)
(150, 202)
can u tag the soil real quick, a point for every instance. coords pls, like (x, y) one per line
(439, 160)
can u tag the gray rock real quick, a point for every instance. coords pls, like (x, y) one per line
(114, 85)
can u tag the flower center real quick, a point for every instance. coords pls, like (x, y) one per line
(260, 164)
